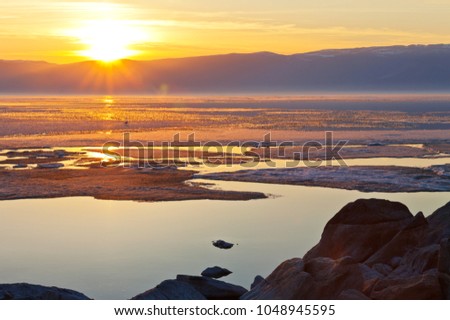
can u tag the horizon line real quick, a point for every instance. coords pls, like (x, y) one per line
(232, 53)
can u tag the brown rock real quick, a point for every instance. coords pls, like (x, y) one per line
(319, 278)
(25, 291)
(282, 283)
(258, 280)
(360, 229)
(370, 249)
(213, 289)
(171, 290)
(444, 267)
(352, 294)
(419, 287)
(439, 223)
(406, 239)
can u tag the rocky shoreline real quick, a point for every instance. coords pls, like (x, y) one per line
(371, 249)
(361, 178)
(118, 183)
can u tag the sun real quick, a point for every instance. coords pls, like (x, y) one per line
(109, 40)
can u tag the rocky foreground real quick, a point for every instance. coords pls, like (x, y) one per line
(25, 291)
(371, 249)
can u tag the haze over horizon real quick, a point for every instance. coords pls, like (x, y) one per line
(324, 50)
(71, 31)
(373, 69)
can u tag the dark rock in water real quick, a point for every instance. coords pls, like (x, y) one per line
(171, 290)
(49, 165)
(20, 166)
(258, 280)
(216, 272)
(371, 249)
(25, 291)
(213, 289)
(61, 153)
(221, 244)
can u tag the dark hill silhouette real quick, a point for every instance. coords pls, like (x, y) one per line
(396, 68)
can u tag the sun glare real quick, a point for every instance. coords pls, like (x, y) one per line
(109, 40)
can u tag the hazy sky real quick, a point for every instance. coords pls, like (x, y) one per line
(59, 31)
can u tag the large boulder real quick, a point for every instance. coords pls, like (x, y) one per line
(25, 291)
(360, 229)
(439, 224)
(258, 279)
(213, 289)
(171, 290)
(408, 238)
(282, 283)
(193, 288)
(317, 278)
(413, 287)
(371, 249)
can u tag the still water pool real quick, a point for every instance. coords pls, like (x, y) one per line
(117, 249)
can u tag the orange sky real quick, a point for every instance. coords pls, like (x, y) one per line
(67, 31)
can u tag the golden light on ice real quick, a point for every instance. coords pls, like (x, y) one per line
(108, 100)
(109, 40)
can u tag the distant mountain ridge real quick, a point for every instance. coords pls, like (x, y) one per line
(394, 68)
